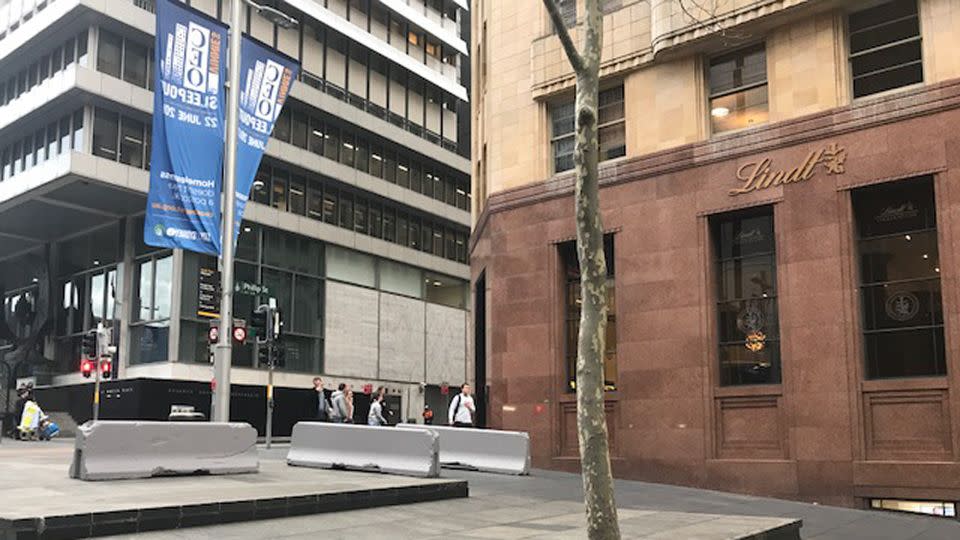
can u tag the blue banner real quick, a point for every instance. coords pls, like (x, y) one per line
(183, 205)
(266, 78)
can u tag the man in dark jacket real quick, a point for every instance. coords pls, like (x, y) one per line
(319, 404)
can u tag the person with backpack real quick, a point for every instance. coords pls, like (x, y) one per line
(320, 404)
(462, 408)
(339, 411)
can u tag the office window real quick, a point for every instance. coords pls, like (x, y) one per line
(330, 206)
(900, 293)
(738, 89)
(885, 47)
(298, 201)
(300, 129)
(376, 161)
(611, 134)
(106, 125)
(281, 128)
(360, 216)
(348, 149)
(40, 145)
(278, 198)
(135, 63)
(572, 304)
(331, 146)
(131, 142)
(82, 38)
(44, 67)
(747, 317)
(110, 53)
(346, 211)
(77, 130)
(315, 200)
(316, 136)
(362, 160)
(4, 164)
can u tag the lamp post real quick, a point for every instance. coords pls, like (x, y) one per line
(224, 349)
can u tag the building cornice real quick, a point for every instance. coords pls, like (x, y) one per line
(863, 114)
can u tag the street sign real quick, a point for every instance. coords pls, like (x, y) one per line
(250, 289)
(208, 294)
(239, 334)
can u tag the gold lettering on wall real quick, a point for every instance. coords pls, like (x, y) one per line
(758, 175)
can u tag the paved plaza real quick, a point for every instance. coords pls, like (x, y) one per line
(541, 506)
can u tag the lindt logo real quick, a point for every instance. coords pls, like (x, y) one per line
(192, 58)
(758, 175)
(749, 237)
(895, 213)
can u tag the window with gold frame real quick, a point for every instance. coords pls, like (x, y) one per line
(571, 313)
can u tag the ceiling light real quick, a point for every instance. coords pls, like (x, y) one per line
(925, 256)
(96, 262)
(720, 112)
(937, 269)
(246, 229)
(437, 284)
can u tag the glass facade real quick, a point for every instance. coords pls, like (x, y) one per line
(900, 290)
(748, 325)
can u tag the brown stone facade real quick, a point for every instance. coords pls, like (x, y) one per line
(827, 433)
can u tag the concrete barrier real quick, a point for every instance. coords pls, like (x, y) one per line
(408, 452)
(115, 450)
(488, 450)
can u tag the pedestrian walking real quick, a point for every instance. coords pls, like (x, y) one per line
(339, 411)
(375, 417)
(320, 404)
(462, 408)
(348, 394)
(427, 415)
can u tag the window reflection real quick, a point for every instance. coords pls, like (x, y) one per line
(900, 292)
(748, 325)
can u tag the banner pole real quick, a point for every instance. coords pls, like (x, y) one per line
(223, 351)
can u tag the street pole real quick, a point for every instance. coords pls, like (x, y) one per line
(222, 353)
(97, 368)
(270, 366)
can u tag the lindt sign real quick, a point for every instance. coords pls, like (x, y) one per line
(758, 175)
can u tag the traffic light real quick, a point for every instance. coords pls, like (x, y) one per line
(263, 354)
(279, 355)
(86, 368)
(106, 368)
(89, 344)
(271, 352)
(261, 323)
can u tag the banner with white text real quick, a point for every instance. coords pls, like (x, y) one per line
(183, 205)
(266, 77)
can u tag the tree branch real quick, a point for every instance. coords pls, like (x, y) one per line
(576, 61)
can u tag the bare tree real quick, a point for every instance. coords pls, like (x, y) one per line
(601, 508)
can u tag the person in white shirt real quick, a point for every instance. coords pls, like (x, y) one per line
(375, 417)
(462, 408)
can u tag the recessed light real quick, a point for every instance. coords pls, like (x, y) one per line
(908, 237)
(437, 284)
(937, 269)
(925, 256)
(96, 262)
(35, 280)
(720, 112)
(247, 229)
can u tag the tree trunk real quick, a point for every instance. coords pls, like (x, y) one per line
(598, 491)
